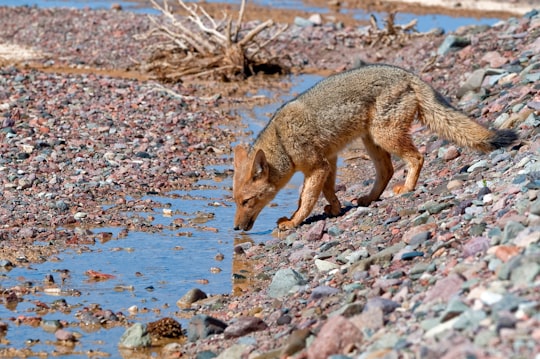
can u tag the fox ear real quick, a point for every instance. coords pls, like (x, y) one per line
(240, 155)
(259, 169)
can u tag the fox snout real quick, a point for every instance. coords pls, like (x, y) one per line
(244, 225)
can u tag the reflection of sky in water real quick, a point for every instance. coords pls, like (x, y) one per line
(169, 263)
(425, 22)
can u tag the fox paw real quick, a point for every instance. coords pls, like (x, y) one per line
(363, 201)
(331, 211)
(400, 189)
(284, 224)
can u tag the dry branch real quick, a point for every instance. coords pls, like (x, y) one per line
(391, 33)
(197, 44)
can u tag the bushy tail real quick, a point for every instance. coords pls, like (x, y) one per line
(445, 120)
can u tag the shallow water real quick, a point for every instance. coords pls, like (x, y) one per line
(151, 270)
(425, 22)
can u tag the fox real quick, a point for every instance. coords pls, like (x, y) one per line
(376, 103)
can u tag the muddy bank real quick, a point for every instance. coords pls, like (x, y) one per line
(452, 263)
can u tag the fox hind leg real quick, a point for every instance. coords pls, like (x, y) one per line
(383, 168)
(395, 138)
(415, 161)
(329, 190)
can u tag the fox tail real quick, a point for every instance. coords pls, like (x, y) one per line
(444, 119)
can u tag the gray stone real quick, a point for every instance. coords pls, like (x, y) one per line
(386, 305)
(473, 83)
(302, 22)
(477, 165)
(433, 207)
(511, 230)
(469, 319)
(284, 281)
(509, 302)
(525, 274)
(535, 207)
(418, 268)
(355, 256)
(207, 354)
(236, 351)
(455, 307)
(6, 264)
(325, 266)
(420, 238)
(452, 41)
(243, 326)
(351, 309)
(381, 257)
(323, 291)
(501, 119)
(421, 219)
(192, 296)
(135, 337)
(50, 325)
(202, 326)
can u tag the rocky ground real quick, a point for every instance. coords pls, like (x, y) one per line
(448, 271)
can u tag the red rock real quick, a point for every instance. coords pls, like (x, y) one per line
(445, 288)
(316, 231)
(505, 253)
(451, 153)
(475, 246)
(64, 335)
(243, 326)
(494, 59)
(418, 229)
(337, 334)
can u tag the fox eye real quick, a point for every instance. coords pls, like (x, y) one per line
(246, 202)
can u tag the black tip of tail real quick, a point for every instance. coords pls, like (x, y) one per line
(503, 138)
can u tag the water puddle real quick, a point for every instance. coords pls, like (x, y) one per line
(149, 270)
(425, 22)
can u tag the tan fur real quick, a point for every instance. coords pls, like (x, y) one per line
(377, 103)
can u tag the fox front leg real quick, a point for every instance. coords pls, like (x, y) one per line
(313, 185)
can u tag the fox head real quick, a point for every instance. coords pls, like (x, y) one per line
(252, 189)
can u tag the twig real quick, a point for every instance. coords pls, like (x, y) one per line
(239, 21)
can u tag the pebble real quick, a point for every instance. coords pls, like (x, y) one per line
(335, 335)
(284, 281)
(452, 41)
(477, 165)
(135, 337)
(202, 326)
(243, 326)
(192, 296)
(64, 335)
